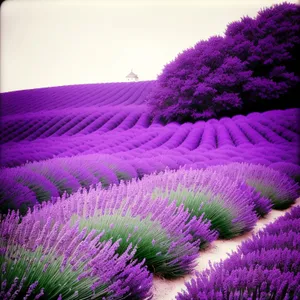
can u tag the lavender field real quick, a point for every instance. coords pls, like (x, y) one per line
(58, 149)
(104, 187)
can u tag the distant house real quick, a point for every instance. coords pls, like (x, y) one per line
(132, 76)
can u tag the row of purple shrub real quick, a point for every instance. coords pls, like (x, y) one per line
(138, 140)
(158, 159)
(47, 179)
(39, 181)
(49, 261)
(69, 122)
(102, 242)
(229, 197)
(264, 267)
(74, 96)
(252, 67)
(168, 238)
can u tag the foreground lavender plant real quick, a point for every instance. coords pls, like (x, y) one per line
(272, 184)
(228, 204)
(264, 267)
(165, 235)
(51, 261)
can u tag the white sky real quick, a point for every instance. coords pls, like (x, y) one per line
(60, 42)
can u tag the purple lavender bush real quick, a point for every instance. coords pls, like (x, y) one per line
(264, 267)
(167, 238)
(228, 204)
(270, 183)
(172, 139)
(68, 174)
(253, 67)
(51, 179)
(52, 261)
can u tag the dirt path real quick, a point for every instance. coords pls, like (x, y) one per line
(168, 289)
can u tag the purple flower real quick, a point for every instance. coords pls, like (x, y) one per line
(96, 264)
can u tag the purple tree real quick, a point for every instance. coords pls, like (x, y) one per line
(255, 60)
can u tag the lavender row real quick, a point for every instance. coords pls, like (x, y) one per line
(230, 205)
(264, 267)
(164, 217)
(165, 234)
(69, 122)
(132, 134)
(74, 96)
(88, 120)
(232, 193)
(50, 261)
(233, 198)
(39, 181)
(44, 150)
(49, 179)
(168, 216)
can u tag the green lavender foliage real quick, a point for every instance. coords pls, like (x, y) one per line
(29, 267)
(201, 203)
(151, 240)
